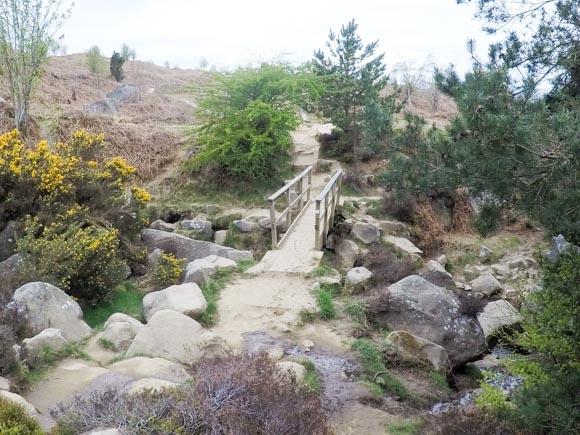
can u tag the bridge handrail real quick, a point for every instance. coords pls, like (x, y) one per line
(291, 218)
(324, 218)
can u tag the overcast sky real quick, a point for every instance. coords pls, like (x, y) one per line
(235, 32)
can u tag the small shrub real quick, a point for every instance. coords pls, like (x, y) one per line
(470, 421)
(116, 67)
(95, 60)
(487, 220)
(386, 267)
(406, 427)
(14, 420)
(358, 311)
(401, 207)
(321, 271)
(325, 304)
(107, 344)
(12, 322)
(311, 379)
(167, 270)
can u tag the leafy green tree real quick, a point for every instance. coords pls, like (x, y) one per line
(95, 61)
(354, 77)
(27, 31)
(116, 66)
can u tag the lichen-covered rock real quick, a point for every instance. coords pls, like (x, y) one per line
(200, 271)
(46, 306)
(357, 279)
(162, 225)
(347, 252)
(433, 313)
(367, 233)
(487, 285)
(436, 274)
(497, 315)
(199, 227)
(246, 225)
(403, 245)
(184, 298)
(50, 338)
(294, 369)
(411, 348)
(176, 337)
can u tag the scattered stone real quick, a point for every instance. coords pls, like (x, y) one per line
(46, 306)
(436, 274)
(404, 245)
(121, 334)
(11, 276)
(246, 226)
(199, 227)
(295, 369)
(5, 384)
(357, 279)
(190, 249)
(443, 260)
(366, 233)
(176, 337)
(307, 345)
(122, 317)
(201, 271)
(330, 242)
(151, 385)
(141, 367)
(485, 254)
(220, 237)
(486, 284)
(394, 228)
(185, 298)
(124, 94)
(275, 353)
(411, 348)
(347, 252)
(162, 225)
(433, 313)
(522, 263)
(497, 315)
(469, 273)
(501, 270)
(50, 338)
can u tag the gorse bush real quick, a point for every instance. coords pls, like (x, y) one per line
(167, 270)
(14, 420)
(245, 394)
(80, 223)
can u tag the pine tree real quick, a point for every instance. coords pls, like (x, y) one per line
(116, 67)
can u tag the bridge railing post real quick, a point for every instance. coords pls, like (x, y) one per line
(317, 235)
(273, 225)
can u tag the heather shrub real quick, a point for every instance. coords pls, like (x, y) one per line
(14, 420)
(229, 395)
(386, 267)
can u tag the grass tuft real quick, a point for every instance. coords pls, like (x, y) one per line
(325, 304)
(128, 300)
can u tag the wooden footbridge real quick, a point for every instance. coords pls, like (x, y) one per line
(300, 225)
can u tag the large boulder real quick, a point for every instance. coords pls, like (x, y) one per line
(367, 233)
(486, 284)
(433, 313)
(246, 225)
(124, 94)
(184, 298)
(141, 367)
(357, 279)
(298, 371)
(176, 337)
(198, 227)
(11, 278)
(201, 271)
(162, 226)
(102, 107)
(190, 249)
(121, 334)
(50, 338)
(411, 348)
(347, 252)
(220, 237)
(47, 306)
(436, 274)
(403, 245)
(122, 317)
(497, 315)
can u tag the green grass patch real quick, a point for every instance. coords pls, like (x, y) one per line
(375, 371)
(128, 300)
(312, 379)
(212, 289)
(440, 381)
(320, 271)
(406, 427)
(357, 310)
(107, 344)
(325, 304)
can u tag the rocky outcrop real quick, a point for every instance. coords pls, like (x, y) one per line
(201, 271)
(186, 299)
(497, 315)
(487, 285)
(366, 233)
(347, 252)
(141, 367)
(357, 279)
(430, 312)
(46, 306)
(176, 337)
(190, 249)
(413, 349)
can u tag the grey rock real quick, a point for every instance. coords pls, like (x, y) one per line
(199, 227)
(162, 225)
(489, 363)
(266, 224)
(124, 94)
(190, 249)
(141, 367)
(484, 254)
(497, 315)
(501, 270)
(11, 276)
(150, 385)
(433, 313)
(200, 271)
(50, 338)
(121, 334)
(436, 274)
(522, 263)
(5, 384)
(559, 247)
(486, 284)
(176, 337)
(347, 252)
(357, 279)
(394, 228)
(220, 237)
(46, 306)
(442, 259)
(298, 371)
(411, 348)
(245, 225)
(8, 237)
(122, 318)
(403, 245)
(366, 233)
(186, 299)
(103, 107)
